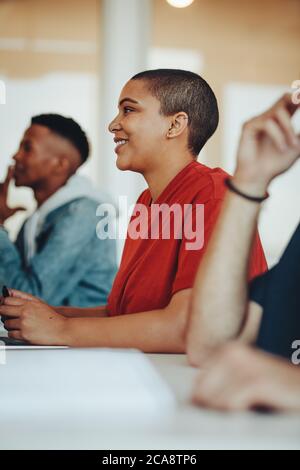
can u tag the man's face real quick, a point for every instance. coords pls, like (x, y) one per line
(139, 128)
(36, 158)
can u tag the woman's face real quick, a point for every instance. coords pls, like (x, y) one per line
(139, 129)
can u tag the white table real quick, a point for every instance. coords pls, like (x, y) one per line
(187, 427)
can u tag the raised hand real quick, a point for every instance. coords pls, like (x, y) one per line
(5, 210)
(268, 145)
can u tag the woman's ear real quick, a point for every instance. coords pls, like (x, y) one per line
(179, 122)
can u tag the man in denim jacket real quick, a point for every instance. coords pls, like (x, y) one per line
(57, 255)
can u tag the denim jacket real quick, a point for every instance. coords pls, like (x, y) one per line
(71, 265)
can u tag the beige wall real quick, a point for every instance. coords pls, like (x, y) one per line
(50, 20)
(255, 41)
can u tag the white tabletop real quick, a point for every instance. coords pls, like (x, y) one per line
(173, 425)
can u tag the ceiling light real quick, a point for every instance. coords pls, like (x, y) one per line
(180, 3)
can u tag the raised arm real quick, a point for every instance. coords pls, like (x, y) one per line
(219, 308)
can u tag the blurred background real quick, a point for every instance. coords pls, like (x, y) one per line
(73, 57)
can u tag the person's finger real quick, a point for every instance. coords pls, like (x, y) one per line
(13, 324)
(286, 102)
(10, 311)
(283, 118)
(14, 301)
(241, 395)
(216, 397)
(21, 295)
(8, 179)
(235, 395)
(230, 394)
(16, 334)
(13, 210)
(274, 132)
(209, 385)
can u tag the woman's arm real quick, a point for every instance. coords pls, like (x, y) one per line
(76, 312)
(154, 331)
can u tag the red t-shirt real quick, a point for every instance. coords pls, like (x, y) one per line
(152, 270)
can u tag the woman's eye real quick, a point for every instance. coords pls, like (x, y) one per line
(127, 110)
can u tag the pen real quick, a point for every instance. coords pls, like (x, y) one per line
(5, 291)
(8, 341)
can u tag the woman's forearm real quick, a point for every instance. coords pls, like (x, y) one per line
(146, 331)
(76, 312)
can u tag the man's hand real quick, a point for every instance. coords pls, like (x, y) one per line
(29, 319)
(237, 378)
(5, 211)
(268, 147)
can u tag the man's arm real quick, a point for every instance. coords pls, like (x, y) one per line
(219, 307)
(155, 331)
(50, 268)
(219, 298)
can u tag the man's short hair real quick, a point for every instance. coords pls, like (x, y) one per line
(67, 128)
(180, 90)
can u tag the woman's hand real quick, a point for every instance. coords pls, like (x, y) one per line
(29, 319)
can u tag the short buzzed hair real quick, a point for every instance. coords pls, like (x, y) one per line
(68, 128)
(183, 91)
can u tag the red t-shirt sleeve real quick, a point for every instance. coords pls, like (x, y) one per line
(188, 260)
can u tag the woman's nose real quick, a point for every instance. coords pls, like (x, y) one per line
(114, 125)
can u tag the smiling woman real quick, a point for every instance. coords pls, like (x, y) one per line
(165, 117)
